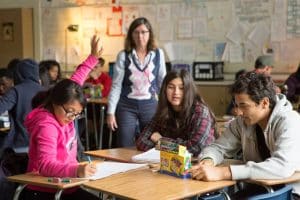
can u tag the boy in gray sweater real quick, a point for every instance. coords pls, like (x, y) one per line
(267, 132)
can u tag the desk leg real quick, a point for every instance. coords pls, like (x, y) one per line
(18, 191)
(110, 138)
(95, 124)
(87, 139)
(102, 109)
(268, 188)
(225, 194)
(58, 194)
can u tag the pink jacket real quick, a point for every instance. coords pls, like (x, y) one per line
(52, 146)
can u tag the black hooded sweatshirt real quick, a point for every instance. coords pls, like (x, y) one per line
(17, 101)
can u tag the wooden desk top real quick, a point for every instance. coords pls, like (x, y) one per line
(98, 100)
(147, 185)
(42, 181)
(116, 154)
(269, 182)
(4, 129)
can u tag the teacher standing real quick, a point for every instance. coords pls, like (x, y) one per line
(138, 73)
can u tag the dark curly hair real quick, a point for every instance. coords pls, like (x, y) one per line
(257, 86)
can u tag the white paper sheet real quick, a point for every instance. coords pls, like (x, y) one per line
(106, 168)
(150, 156)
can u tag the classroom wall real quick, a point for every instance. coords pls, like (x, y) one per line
(188, 30)
(33, 45)
(16, 34)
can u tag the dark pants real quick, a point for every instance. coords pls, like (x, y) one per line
(79, 194)
(250, 190)
(131, 120)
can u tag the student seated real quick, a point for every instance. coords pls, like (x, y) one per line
(264, 64)
(17, 101)
(293, 86)
(181, 115)
(231, 109)
(6, 81)
(267, 132)
(99, 78)
(53, 68)
(53, 141)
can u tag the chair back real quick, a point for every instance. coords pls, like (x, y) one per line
(284, 193)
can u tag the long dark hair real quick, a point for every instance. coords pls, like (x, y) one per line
(165, 113)
(129, 41)
(48, 64)
(63, 92)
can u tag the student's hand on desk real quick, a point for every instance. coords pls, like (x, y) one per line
(96, 48)
(210, 173)
(86, 170)
(111, 122)
(155, 137)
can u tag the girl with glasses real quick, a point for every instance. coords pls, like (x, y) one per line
(53, 141)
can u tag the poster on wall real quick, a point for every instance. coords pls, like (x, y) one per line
(114, 24)
(129, 14)
(8, 31)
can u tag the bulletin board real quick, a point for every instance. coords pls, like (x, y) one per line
(233, 31)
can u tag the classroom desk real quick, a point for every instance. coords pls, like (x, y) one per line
(268, 183)
(4, 129)
(103, 104)
(147, 185)
(116, 154)
(37, 180)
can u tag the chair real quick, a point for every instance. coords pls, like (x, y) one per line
(284, 193)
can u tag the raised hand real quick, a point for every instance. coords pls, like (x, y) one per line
(96, 48)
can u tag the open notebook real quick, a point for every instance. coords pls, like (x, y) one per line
(106, 168)
(150, 156)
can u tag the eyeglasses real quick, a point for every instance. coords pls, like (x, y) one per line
(136, 33)
(70, 114)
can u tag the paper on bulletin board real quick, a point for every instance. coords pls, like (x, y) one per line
(50, 53)
(252, 11)
(163, 12)
(235, 53)
(149, 11)
(129, 14)
(278, 28)
(180, 51)
(237, 32)
(251, 51)
(219, 50)
(165, 32)
(114, 24)
(204, 50)
(182, 9)
(200, 27)
(112, 45)
(278, 21)
(184, 28)
(260, 34)
(218, 15)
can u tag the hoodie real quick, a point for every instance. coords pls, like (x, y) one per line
(53, 147)
(17, 101)
(282, 139)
